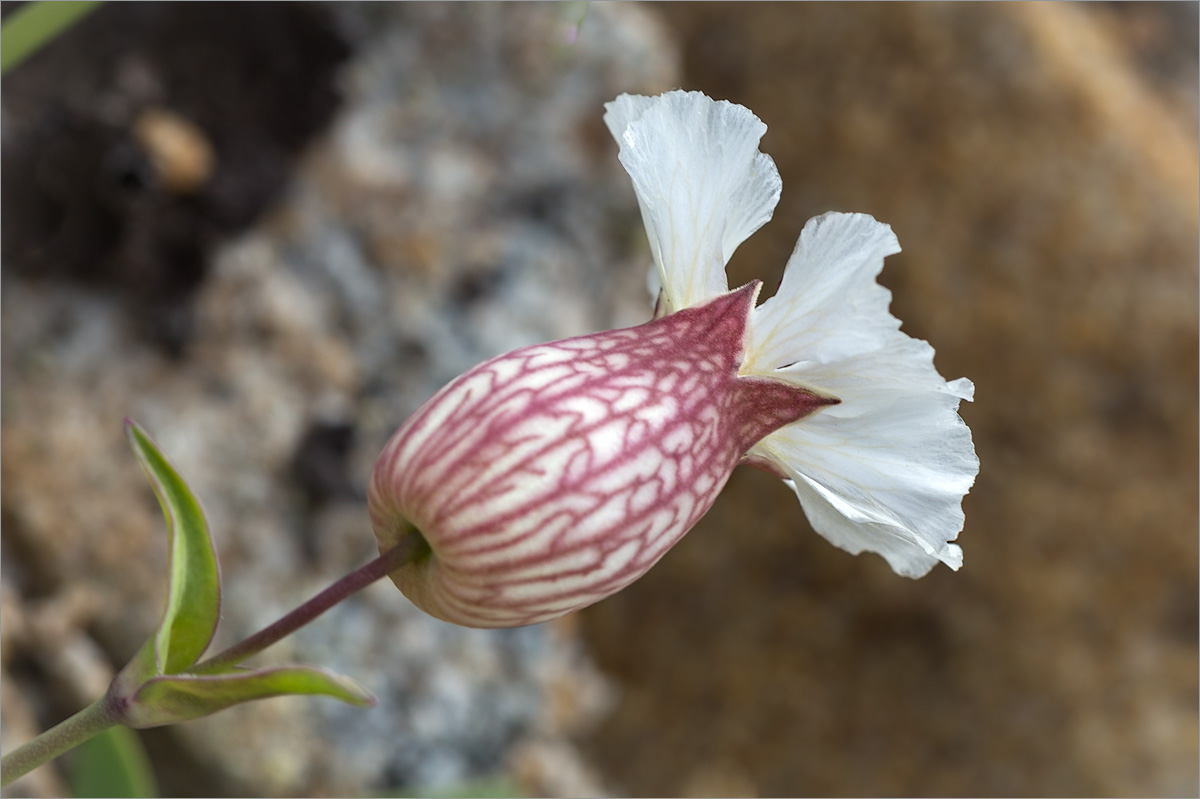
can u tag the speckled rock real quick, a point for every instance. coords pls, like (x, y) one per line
(461, 204)
(1038, 162)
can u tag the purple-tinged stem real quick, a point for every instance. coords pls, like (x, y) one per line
(410, 547)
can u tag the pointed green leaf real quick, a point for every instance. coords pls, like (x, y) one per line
(194, 581)
(36, 24)
(182, 697)
(114, 763)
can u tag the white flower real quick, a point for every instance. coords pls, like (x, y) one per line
(885, 470)
(550, 477)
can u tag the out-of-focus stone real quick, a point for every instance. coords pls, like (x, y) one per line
(1045, 192)
(143, 135)
(18, 723)
(181, 154)
(461, 206)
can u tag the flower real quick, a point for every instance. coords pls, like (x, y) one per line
(548, 478)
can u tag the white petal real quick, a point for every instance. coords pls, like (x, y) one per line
(701, 183)
(828, 305)
(624, 111)
(885, 470)
(858, 536)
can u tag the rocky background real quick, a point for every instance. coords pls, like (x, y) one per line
(269, 232)
(1039, 166)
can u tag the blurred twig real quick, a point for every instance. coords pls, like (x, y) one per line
(34, 25)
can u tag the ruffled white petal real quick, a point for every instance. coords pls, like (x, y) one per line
(702, 185)
(885, 470)
(624, 111)
(828, 305)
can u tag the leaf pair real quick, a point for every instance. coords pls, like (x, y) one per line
(165, 683)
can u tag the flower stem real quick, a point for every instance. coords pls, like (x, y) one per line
(103, 713)
(411, 547)
(93, 719)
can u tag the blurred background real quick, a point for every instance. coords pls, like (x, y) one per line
(268, 232)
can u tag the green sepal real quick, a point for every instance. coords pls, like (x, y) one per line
(193, 604)
(182, 697)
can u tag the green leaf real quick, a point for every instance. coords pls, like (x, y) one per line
(113, 764)
(34, 25)
(194, 580)
(182, 697)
